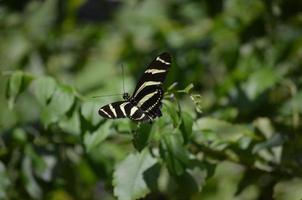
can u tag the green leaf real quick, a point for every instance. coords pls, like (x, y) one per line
(141, 136)
(16, 84)
(172, 110)
(288, 190)
(89, 110)
(92, 140)
(260, 81)
(60, 103)
(221, 129)
(151, 176)
(186, 126)
(174, 153)
(128, 178)
(44, 88)
(186, 184)
(71, 124)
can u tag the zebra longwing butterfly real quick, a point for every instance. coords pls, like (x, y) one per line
(145, 103)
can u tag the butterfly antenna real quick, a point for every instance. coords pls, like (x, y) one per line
(123, 78)
(110, 95)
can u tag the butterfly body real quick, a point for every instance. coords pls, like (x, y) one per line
(145, 103)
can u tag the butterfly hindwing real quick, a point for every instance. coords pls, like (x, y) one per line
(151, 101)
(136, 114)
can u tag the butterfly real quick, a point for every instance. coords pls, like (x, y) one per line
(145, 102)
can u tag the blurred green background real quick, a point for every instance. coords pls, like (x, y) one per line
(244, 58)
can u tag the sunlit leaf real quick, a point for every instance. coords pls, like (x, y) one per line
(71, 124)
(60, 103)
(128, 177)
(288, 190)
(259, 81)
(44, 88)
(93, 139)
(16, 84)
(89, 110)
(223, 129)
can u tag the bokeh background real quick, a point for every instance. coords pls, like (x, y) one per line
(244, 58)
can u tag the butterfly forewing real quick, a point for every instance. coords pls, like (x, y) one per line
(115, 110)
(154, 75)
(122, 109)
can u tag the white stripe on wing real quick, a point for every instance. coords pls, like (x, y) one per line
(103, 111)
(122, 106)
(155, 71)
(145, 84)
(163, 61)
(145, 98)
(112, 110)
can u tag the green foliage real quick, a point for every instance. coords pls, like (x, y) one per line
(231, 124)
(128, 178)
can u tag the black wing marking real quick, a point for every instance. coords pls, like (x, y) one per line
(122, 109)
(153, 76)
(138, 115)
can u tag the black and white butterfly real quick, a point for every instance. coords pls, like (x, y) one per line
(145, 103)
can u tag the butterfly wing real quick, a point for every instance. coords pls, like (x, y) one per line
(122, 109)
(153, 77)
(115, 110)
(150, 103)
(148, 92)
